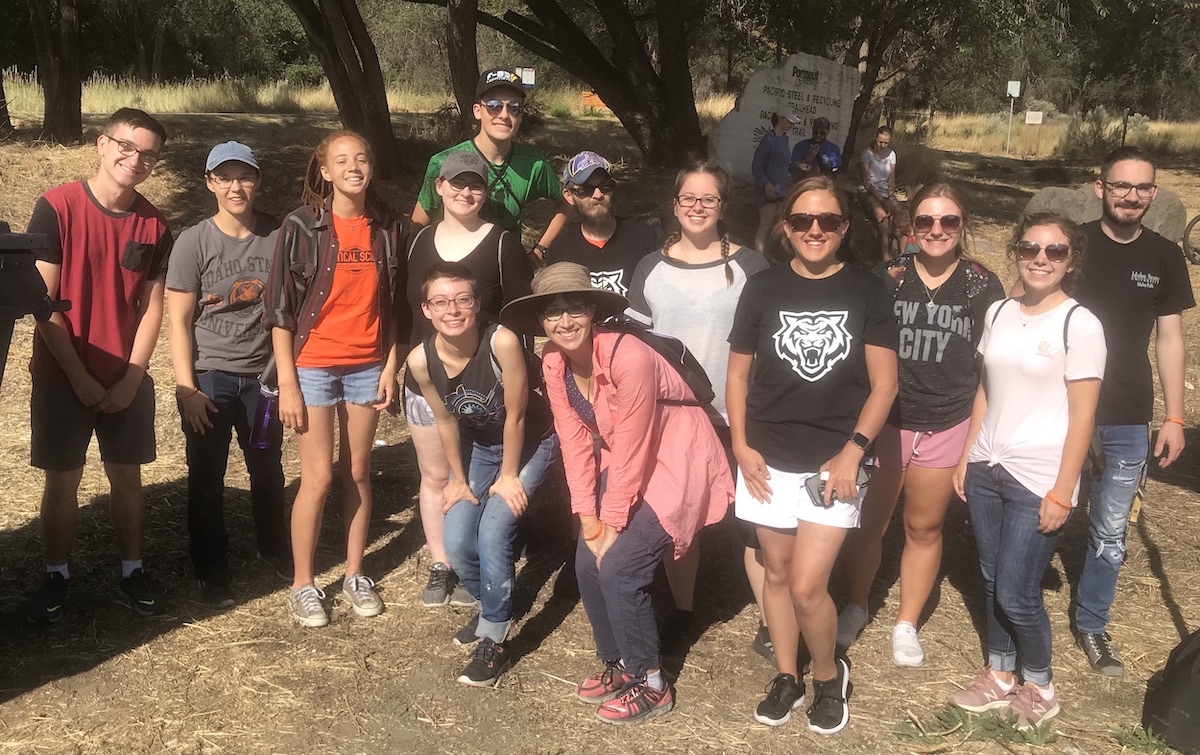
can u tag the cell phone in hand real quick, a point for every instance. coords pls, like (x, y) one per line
(816, 486)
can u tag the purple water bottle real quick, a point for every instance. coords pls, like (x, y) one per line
(266, 418)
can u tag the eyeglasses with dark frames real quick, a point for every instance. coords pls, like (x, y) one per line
(554, 312)
(587, 190)
(462, 301)
(688, 201)
(1121, 189)
(128, 149)
(801, 222)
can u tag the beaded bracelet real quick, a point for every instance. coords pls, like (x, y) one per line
(1050, 497)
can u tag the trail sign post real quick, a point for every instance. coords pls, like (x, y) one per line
(1014, 91)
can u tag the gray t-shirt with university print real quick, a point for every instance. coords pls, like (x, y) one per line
(228, 276)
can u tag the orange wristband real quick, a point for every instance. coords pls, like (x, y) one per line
(1176, 420)
(599, 532)
(1050, 497)
(196, 390)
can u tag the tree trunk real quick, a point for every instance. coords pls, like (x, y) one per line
(56, 36)
(156, 57)
(6, 126)
(463, 57)
(339, 38)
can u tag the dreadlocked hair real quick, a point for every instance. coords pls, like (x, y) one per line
(316, 189)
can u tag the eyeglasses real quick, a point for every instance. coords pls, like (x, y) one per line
(555, 312)
(224, 182)
(128, 149)
(462, 301)
(924, 223)
(801, 222)
(1029, 250)
(708, 201)
(495, 107)
(476, 187)
(1122, 189)
(585, 191)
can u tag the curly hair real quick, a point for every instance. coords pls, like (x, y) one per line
(1075, 239)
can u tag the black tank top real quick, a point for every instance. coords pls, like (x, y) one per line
(476, 395)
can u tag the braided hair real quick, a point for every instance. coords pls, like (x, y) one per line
(316, 189)
(722, 179)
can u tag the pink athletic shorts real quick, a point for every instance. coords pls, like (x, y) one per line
(896, 448)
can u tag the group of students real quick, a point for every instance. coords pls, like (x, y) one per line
(816, 366)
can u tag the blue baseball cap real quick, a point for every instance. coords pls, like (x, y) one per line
(230, 151)
(581, 167)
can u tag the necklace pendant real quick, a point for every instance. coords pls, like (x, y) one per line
(930, 306)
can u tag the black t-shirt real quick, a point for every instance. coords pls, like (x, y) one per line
(808, 338)
(939, 330)
(502, 273)
(611, 266)
(1128, 287)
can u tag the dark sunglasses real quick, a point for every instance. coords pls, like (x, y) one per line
(828, 222)
(1028, 250)
(495, 107)
(585, 191)
(924, 223)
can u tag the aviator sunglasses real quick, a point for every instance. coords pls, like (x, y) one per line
(800, 222)
(1028, 250)
(924, 223)
(495, 107)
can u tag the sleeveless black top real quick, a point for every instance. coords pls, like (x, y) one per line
(476, 396)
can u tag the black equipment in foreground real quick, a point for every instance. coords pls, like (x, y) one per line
(22, 290)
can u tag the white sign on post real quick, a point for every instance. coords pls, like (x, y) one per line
(805, 85)
(1014, 89)
(1033, 117)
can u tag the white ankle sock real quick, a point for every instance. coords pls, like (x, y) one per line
(1006, 686)
(654, 679)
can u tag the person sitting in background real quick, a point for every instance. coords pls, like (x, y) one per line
(517, 174)
(877, 175)
(219, 347)
(817, 155)
(608, 245)
(770, 170)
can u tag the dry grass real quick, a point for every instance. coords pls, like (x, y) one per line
(247, 681)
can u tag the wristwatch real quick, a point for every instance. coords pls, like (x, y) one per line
(541, 249)
(860, 440)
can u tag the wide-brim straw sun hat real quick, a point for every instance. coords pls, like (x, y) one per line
(524, 315)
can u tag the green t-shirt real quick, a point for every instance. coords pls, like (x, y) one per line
(527, 177)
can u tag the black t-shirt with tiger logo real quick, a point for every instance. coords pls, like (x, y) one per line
(808, 338)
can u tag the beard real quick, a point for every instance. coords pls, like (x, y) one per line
(593, 213)
(1118, 213)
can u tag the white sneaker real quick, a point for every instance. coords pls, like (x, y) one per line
(906, 648)
(851, 621)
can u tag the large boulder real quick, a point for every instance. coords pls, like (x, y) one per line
(1167, 215)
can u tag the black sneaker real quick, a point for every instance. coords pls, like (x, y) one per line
(784, 695)
(762, 644)
(140, 593)
(466, 636)
(488, 662)
(1100, 654)
(46, 602)
(830, 711)
(216, 593)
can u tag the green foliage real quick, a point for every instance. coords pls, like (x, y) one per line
(1091, 136)
(953, 721)
(1139, 740)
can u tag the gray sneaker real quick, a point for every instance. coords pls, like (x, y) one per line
(460, 598)
(360, 591)
(440, 585)
(307, 606)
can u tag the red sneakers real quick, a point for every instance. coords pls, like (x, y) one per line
(603, 685)
(637, 703)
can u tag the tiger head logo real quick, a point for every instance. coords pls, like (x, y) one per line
(812, 342)
(245, 293)
(610, 280)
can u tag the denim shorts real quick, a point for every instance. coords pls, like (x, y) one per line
(330, 386)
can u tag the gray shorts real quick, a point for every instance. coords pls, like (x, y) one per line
(417, 410)
(62, 427)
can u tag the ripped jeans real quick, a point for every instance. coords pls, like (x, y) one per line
(1125, 450)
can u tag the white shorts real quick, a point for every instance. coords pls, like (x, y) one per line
(791, 504)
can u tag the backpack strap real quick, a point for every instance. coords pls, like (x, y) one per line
(997, 312)
(1066, 325)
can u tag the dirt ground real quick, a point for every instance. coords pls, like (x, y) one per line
(250, 681)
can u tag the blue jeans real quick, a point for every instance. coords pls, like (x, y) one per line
(1013, 556)
(1125, 450)
(236, 398)
(479, 537)
(616, 596)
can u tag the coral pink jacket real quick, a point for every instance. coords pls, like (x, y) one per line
(667, 455)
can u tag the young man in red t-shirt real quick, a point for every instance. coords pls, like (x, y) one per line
(106, 253)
